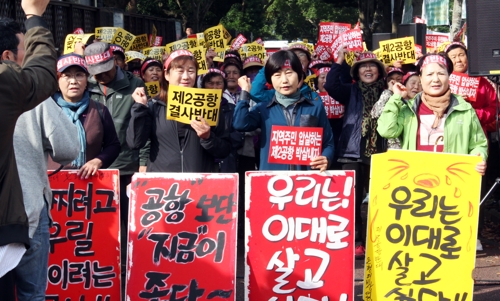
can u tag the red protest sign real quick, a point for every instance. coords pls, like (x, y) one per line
(329, 31)
(419, 20)
(182, 236)
(294, 144)
(333, 108)
(458, 36)
(299, 235)
(465, 85)
(353, 39)
(323, 52)
(418, 50)
(78, 31)
(434, 40)
(259, 41)
(238, 41)
(84, 260)
(337, 44)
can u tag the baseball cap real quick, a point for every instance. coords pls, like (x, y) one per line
(99, 58)
(69, 60)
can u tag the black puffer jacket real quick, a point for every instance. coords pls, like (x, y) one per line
(166, 154)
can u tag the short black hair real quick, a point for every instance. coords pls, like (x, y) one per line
(211, 75)
(8, 39)
(449, 63)
(225, 65)
(277, 60)
(455, 47)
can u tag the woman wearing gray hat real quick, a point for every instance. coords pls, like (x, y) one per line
(359, 138)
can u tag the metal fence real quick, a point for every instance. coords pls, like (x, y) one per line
(64, 17)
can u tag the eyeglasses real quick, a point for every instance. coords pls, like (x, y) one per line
(80, 76)
(367, 66)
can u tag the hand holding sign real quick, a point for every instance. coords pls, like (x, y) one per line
(89, 169)
(320, 162)
(79, 48)
(139, 96)
(481, 167)
(341, 55)
(244, 83)
(201, 127)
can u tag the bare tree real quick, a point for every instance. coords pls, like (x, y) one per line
(456, 20)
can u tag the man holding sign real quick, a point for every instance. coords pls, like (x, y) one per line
(182, 140)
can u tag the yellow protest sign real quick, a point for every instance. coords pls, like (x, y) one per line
(364, 47)
(252, 49)
(227, 36)
(71, 39)
(192, 43)
(154, 52)
(186, 104)
(200, 55)
(140, 42)
(153, 88)
(220, 56)
(310, 47)
(180, 44)
(201, 39)
(132, 55)
(123, 38)
(422, 226)
(154, 32)
(402, 49)
(214, 38)
(105, 34)
(310, 81)
(442, 46)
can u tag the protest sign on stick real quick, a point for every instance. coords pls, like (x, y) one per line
(422, 225)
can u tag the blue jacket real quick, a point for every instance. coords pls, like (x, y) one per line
(309, 111)
(348, 94)
(259, 93)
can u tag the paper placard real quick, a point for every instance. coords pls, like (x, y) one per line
(295, 145)
(177, 45)
(140, 42)
(153, 88)
(105, 34)
(132, 55)
(353, 39)
(422, 226)
(200, 54)
(238, 41)
(214, 38)
(123, 38)
(186, 104)
(464, 85)
(252, 49)
(71, 39)
(154, 52)
(432, 41)
(402, 49)
(333, 108)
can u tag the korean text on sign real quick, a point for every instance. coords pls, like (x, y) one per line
(464, 85)
(214, 38)
(154, 52)
(300, 235)
(72, 39)
(422, 225)
(153, 88)
(105, 34)
(353, 39)
(402, 49)
(295, 145)
(333, 108)
(432, 41)
(252, 49)
(123, 38)
(84, 262)
(140, 42)
(186, 104)
(201, 59)
(182, 237)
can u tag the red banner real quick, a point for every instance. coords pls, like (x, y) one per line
(329, 31)
(238, 41)
(300, 236)
(353, 39)
(294, 144)
(337, 44)
(84, 261)
(333, 108)
(157, 42)
(465, 85)
(323, 52)
(434, 40)
(418, 50)
(182, 237)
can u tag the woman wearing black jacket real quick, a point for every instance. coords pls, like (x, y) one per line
(175, 147)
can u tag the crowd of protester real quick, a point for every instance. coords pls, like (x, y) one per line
(100, 116)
